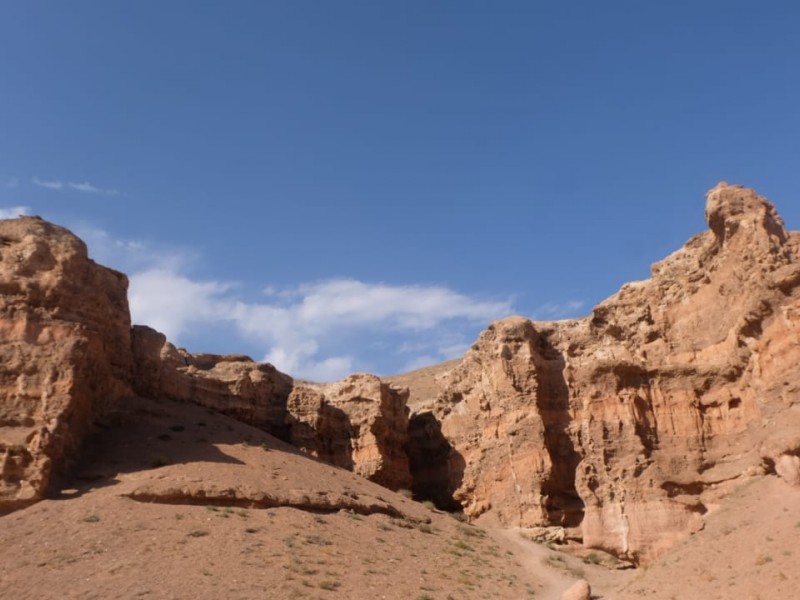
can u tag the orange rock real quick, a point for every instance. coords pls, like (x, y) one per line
(359, 423)
(65, 356)
(235, 385)
(634, 420)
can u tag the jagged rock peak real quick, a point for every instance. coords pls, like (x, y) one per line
(728, 207)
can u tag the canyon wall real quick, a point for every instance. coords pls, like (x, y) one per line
(630, 423)
(65, 352)
(624, 427)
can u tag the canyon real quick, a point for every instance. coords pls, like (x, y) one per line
(623, 431)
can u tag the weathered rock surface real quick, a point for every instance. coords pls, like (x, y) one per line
(65, 353)
(359, 423)
(630, 421)
(251, 392)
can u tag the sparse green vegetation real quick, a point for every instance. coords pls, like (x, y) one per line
(317, 540)
(91, 518)
(329, 585)
(198, 533)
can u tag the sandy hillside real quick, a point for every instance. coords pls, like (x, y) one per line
(172, 501)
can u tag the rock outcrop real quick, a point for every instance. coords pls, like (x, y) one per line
(65, 356)
(359, 423)
(622, 428)
(234, 385)
(632, 421)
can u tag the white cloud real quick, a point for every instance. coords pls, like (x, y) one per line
(50, 185)
(300, 329)
(84, 187)
(170, 302)
(14, 212)
(91, 189)
(319, 331)
(12, 183)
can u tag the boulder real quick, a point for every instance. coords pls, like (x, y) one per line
(580, 590)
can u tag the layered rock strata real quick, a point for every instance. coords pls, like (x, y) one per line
(65, 352)
(234, 385)
(630, 421)
(359, 423)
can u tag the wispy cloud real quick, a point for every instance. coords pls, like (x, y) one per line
(85, 187)
(13, 212)
(12, 183)
(298, 328)
(91, 189)
(50, 185)
(320, 330)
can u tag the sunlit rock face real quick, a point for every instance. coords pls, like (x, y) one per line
(234, 385)
(65, 352)
(632, 421)
(359, 423)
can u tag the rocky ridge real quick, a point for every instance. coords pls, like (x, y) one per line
(628, 425)
(624, 428)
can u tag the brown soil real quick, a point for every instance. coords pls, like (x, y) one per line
(172, 501)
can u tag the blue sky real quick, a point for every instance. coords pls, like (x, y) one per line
(347, 186)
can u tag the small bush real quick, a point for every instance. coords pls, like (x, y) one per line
(198, 533)
(329, 585)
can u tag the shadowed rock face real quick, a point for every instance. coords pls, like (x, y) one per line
(65, 355)
(631, 421)
(359, 423)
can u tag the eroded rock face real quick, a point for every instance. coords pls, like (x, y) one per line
(251, 392)
(632, 420)
(65, 355)
(359, 423)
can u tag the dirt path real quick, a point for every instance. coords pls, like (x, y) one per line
(557, 571)
(534, 557)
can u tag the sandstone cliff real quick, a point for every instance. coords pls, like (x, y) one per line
(65, 353)
(251, 392)
(359, 423)
(630, 422)
(624, 427)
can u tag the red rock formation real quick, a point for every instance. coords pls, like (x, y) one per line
(359, 423)
(641, 412)
(64, 352)
(235, 385)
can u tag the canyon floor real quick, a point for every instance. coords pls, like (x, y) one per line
(166, 504)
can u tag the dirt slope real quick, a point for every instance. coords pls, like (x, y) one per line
(172, 501)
